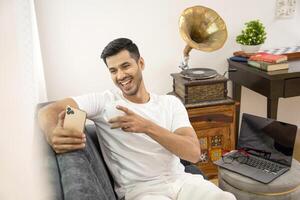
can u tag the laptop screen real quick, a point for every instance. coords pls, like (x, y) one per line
(267, 138)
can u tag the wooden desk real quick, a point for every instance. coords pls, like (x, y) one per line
(273, 85)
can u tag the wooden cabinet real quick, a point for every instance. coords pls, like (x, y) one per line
(215, 128)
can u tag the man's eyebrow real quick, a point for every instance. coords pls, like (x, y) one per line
(111, 68)
(125, 63)
(121, 65)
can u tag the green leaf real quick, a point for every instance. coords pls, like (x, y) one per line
(252, 34)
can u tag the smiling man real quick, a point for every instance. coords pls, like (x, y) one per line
(142, 135)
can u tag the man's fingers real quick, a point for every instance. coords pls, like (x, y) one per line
(125, 126)
(72, 133)
(68, 147)
(61, 117)
(124, 109)
(126, 129)
(119, 125)
(68, 140)
(115, 125)
(118, 119)
(60, 151)
(114, 120)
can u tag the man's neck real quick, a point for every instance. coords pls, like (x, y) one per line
(142, 96)
(139, 98)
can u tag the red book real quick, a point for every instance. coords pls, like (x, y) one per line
(269, 58)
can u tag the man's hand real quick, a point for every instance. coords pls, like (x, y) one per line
(130, 122)
(65, 140)
(176, 142)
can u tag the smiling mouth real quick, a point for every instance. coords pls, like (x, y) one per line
(126, 83)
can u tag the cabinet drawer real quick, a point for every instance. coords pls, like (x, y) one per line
(210, 120)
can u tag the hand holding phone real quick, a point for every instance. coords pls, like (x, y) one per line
(68, 134)
(74, 119)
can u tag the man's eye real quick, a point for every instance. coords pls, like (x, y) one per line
(113, 71)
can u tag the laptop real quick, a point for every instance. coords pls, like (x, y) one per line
(264, 150)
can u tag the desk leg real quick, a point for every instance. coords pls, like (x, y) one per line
(272, 108)
(236, 95)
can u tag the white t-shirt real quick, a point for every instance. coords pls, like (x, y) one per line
(133, 158)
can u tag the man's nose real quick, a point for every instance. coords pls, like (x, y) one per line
(120, 75)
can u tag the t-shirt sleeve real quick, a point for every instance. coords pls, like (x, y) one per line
(91, 103)
(179, 114)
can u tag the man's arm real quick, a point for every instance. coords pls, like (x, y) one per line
(183, 142)
(50, 120)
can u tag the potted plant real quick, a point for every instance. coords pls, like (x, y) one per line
(252, 36)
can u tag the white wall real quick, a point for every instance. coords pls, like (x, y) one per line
(21, 178)
(73, 34)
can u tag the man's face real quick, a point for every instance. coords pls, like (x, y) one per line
(126, 72)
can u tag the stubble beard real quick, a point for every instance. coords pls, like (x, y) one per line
(135, 88)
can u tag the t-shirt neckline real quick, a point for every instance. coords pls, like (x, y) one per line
(138, 104)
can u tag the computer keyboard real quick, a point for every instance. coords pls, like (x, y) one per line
(262, 164)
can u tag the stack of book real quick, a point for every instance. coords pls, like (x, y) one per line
(268, 62)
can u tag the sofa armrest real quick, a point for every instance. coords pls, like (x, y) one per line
(191, 168)
(47, 162)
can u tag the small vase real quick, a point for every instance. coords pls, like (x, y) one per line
(250, 48)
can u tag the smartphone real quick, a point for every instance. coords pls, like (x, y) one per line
(74, 119)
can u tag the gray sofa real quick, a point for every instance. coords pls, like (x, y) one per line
(59, 179)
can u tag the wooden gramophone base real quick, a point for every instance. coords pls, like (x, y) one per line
(196, 91)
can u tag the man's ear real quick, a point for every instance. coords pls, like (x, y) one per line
(142, 63)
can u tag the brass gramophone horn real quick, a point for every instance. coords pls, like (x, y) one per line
(202, 29)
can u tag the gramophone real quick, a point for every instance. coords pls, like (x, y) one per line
(202, 29)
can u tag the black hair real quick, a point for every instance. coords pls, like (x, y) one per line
(120, 44)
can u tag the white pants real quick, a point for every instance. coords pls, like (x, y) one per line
(183, 187)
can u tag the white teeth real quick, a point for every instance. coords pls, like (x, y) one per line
(125, 82)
